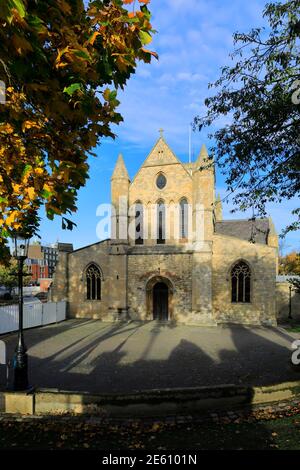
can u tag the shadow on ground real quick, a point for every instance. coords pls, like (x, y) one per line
(88, 355)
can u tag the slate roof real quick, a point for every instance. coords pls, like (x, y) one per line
(255, 231)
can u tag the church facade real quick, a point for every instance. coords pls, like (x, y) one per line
(171, 256)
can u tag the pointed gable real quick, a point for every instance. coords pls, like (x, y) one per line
(161, 154)
(161, 160)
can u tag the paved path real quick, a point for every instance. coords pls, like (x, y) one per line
(89, 355)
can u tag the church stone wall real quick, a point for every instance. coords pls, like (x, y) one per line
(59, 287)
(78, 260)
(177, 268)
(144, 189)
(262, 260)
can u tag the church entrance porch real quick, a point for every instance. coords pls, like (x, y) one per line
(159, 299)
(160, 302)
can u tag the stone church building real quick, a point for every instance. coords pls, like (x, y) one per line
(182, 263)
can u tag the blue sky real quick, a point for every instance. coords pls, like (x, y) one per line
(194, 40)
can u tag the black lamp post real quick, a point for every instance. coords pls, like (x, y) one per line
(20, 363)
(290, 303)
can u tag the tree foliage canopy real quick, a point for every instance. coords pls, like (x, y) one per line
(62, 63)
(290, 264)
(258, 147)
(8, 275)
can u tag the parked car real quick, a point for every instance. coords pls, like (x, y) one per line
(5, 293)
(42, 296)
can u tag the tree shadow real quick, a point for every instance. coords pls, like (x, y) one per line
(138, 357)
(74, 357)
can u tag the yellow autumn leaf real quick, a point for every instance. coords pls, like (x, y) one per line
(61, 64)
(11, 218)
(30, 124)
(31, 193)
(39, 171)
(61, 52)
(7, 128)
(47, 187)
(93, 37)
(16, 187)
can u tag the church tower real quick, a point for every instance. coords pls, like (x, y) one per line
(119, 198)
(118, 260)
(203, 226)
(203, 196)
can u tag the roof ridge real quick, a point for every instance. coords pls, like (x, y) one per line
(241, 220)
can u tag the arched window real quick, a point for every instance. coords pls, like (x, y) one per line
(240, 282)
(161, 223)
(93, 282)
(139, 223)
(183, 218)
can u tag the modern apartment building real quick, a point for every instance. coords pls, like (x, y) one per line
(42, 259)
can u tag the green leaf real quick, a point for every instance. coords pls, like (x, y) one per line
(72, 88)
(27, 168)
(6, 7)
(50, 214)
(146, 12)
(19, 6)
(145, 37)
(112, 95)
(46, 194)
(36, 23)
(82, 54)
(4, 233)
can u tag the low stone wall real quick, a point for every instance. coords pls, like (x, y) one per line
(282, 302)
(153, 403)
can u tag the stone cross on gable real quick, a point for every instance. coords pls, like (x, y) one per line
(161, 131)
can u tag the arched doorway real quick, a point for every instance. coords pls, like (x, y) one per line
(160, 291)
(160, 301)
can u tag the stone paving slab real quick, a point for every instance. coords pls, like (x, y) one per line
(98, 357)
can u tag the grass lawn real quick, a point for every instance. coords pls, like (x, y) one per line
(281, 433)
(293, 329)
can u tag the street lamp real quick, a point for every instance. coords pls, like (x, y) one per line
(290, 303)
(20, 362)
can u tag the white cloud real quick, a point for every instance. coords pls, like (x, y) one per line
(190, 77)
(193, 41)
